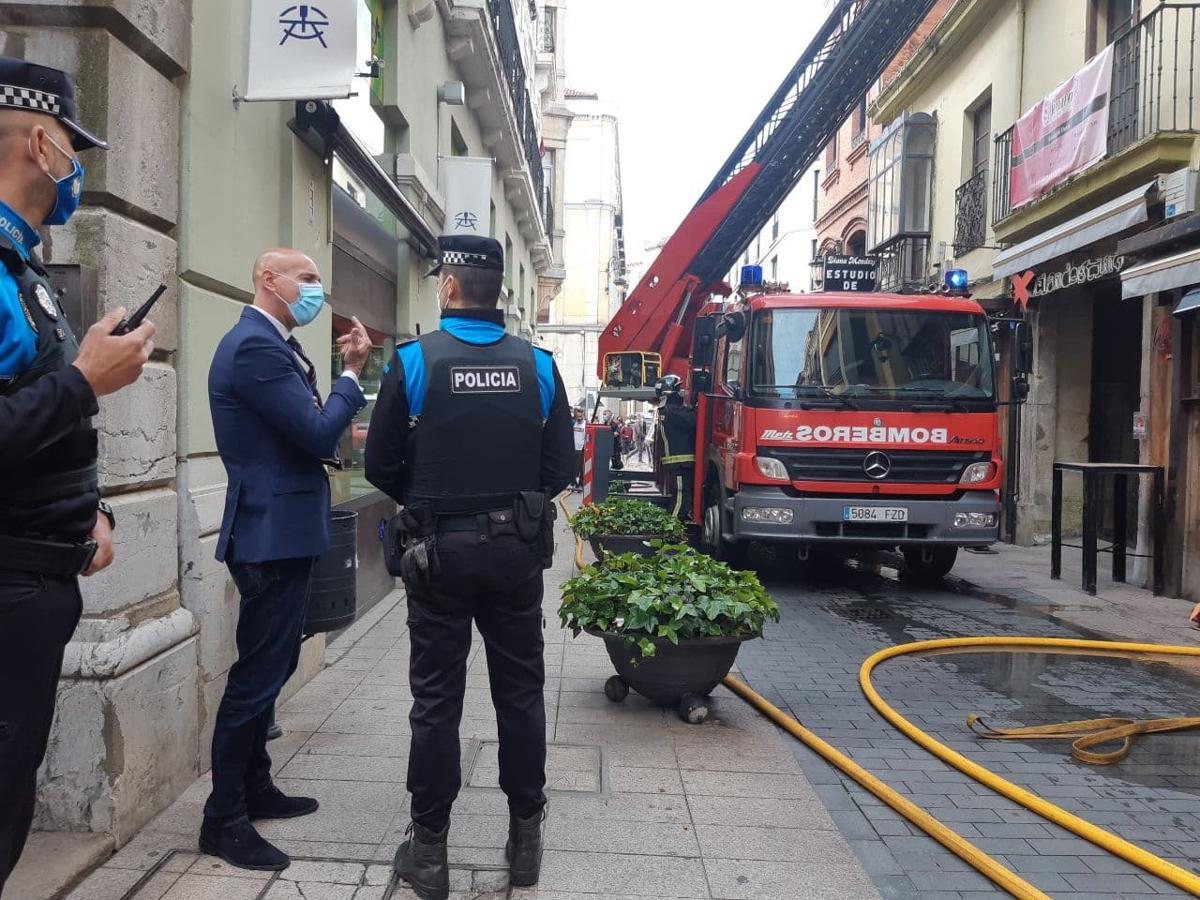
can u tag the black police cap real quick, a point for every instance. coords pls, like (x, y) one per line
(470, 251)
(28, 86)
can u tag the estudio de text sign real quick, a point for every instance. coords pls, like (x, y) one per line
(1063, 134)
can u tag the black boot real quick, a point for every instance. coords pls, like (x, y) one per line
(524, 848)
(273, 803)
(421, 861)
(242, 846)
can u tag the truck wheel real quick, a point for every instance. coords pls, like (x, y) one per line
(930, 563)
(712, 534)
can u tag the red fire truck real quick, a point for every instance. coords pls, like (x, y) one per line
(860, 418)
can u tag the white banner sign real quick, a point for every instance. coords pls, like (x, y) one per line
(467, 187)
(302, 51)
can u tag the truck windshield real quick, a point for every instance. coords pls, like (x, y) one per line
(870, 353)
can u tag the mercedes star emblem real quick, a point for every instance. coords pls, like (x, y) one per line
(877, 465)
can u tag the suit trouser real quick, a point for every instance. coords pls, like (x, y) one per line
(497, 582)
(274, 604)
(38, 614)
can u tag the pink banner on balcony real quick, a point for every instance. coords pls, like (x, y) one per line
(1064, 133)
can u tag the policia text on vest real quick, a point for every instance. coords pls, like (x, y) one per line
(471, 435)
(53, 525)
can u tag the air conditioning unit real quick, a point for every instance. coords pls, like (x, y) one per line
(1179, 190)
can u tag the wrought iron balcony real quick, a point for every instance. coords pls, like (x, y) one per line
(970, 214)
(516, 77)
(903, 264)
(1154, 90)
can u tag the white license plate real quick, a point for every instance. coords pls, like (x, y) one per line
(874, 514)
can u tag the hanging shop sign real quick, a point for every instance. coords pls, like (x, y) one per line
(1075, 274)
(302, 51)
(467, 187)
(856, 274)
(1064, 133)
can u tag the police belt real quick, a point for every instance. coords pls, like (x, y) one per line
(494, 522)
(41, 557)
(36, 489)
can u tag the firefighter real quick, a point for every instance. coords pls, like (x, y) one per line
(53, 525)
(472, 435)
(678, 450)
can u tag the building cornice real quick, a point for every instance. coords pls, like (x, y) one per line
(854, 198)
(959, 26)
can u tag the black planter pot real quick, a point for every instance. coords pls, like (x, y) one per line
(622, 543)
(680, 674)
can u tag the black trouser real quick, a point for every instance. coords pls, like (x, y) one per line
(38, 614)
(498, 583)
(274, 604)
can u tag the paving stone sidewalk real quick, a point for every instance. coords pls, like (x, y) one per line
(641, 804)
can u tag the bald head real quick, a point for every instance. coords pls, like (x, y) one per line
(278, 274)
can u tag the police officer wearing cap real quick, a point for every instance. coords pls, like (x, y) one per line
(472, 435)
(53, 525)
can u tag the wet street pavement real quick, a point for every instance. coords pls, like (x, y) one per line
(836, 616)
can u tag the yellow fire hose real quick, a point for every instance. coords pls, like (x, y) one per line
(1091, 732)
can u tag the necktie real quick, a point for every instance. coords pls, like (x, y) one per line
(311, 375)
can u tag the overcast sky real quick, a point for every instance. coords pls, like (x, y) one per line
(687, 78)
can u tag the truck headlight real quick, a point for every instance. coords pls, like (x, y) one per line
(976, 473)
(771, 468)
(772, 515)
(974, 520)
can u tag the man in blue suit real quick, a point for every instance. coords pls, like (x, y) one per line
(275, 436)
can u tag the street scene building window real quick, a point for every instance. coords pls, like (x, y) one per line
(970, 200)
(900, 199)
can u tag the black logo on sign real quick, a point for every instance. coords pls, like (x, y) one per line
(485, 380)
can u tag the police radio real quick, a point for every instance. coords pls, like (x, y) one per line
(129, 323)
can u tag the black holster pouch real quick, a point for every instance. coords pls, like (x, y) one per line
(410, 547)
(535, 516)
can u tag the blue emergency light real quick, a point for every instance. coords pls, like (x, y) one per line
(957, 280)
(752, 276)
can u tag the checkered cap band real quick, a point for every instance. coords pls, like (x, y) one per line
(28, 98)
(459, 258)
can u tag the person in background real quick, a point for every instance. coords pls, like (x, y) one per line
(275, 435)
(579, 426)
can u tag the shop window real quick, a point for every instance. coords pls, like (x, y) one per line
(351, 482)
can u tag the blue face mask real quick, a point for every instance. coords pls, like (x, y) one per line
(308, 305)
(69, 190)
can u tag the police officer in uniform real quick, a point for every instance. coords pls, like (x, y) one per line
(472, 435)
(53, 524)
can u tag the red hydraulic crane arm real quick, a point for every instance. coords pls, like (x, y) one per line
(847, 56)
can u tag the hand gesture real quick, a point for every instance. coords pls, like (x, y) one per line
(110, 362)
(355, 347)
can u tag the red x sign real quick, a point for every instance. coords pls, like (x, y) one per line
(1021, 288)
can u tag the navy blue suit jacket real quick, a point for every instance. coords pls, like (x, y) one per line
(272, 438)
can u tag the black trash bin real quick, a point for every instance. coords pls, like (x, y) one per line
(334, 602)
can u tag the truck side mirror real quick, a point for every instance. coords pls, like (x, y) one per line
(1020, 389)
(733, 326)
(704, 342)
(1023, 345)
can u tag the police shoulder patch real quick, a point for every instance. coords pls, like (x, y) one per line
(45, 301)
(485, 380)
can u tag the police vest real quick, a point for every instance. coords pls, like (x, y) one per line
(478, 440)
(67, 467)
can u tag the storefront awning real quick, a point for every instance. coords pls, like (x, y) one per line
(1189, 303)
(1168, 273)
(1103, 221)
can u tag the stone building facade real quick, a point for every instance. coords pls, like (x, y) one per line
(197, 184)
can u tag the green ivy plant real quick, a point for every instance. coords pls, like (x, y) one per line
(633, 517)
(677, 594)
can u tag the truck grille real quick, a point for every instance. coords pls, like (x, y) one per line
(908, 466)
